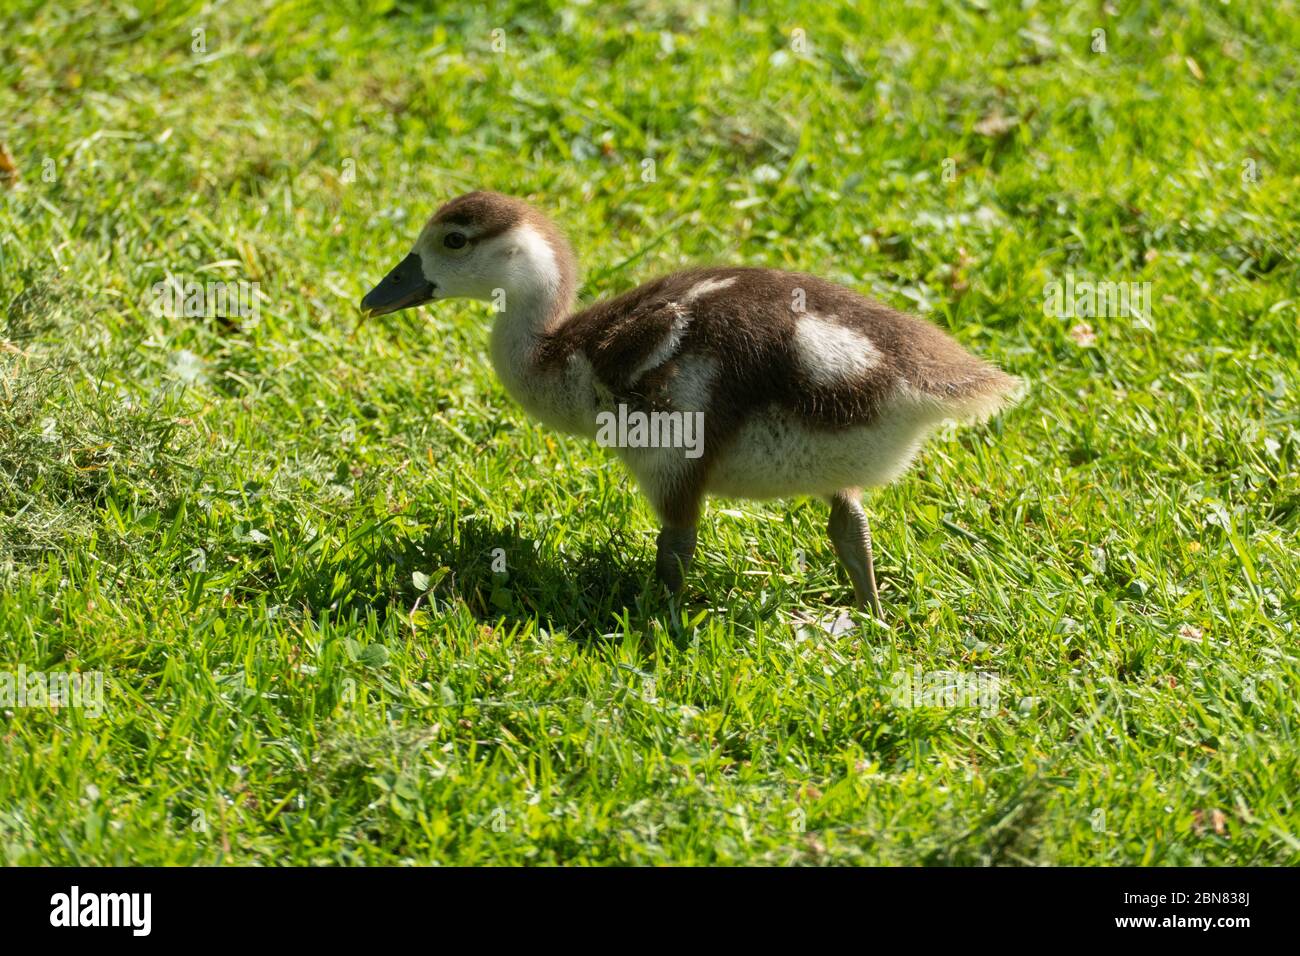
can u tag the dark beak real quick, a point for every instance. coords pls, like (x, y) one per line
(402, 288)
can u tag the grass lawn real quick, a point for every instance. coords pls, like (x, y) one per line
(350, 605)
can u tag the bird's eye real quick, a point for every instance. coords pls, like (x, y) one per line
(455, 240)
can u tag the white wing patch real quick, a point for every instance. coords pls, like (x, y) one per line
(831, 354)
(667, 348)
(681, 318)
(706, 286)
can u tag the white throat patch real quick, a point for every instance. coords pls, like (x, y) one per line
(533, 272)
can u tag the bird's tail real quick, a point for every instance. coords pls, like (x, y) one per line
(974, 398)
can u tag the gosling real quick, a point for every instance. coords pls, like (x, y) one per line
(800, 386)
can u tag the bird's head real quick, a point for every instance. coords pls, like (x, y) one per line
(486, 246)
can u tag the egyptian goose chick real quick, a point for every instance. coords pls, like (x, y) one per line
(742, 382)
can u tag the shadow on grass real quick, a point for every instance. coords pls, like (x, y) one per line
(582, 589)
(499, 574)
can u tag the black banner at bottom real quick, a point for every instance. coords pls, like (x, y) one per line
(722, 906)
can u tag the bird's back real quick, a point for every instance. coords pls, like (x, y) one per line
(765, 337)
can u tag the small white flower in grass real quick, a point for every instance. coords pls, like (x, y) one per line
(186, 366)
(996, 124)
(1083, 335)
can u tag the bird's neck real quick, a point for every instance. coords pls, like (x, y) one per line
(519, 331)
(538, 294)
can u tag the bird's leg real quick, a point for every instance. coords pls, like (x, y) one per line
(679, 502)
(851, 536)
(676, 548)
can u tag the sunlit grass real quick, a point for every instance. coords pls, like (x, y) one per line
(279, 537)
